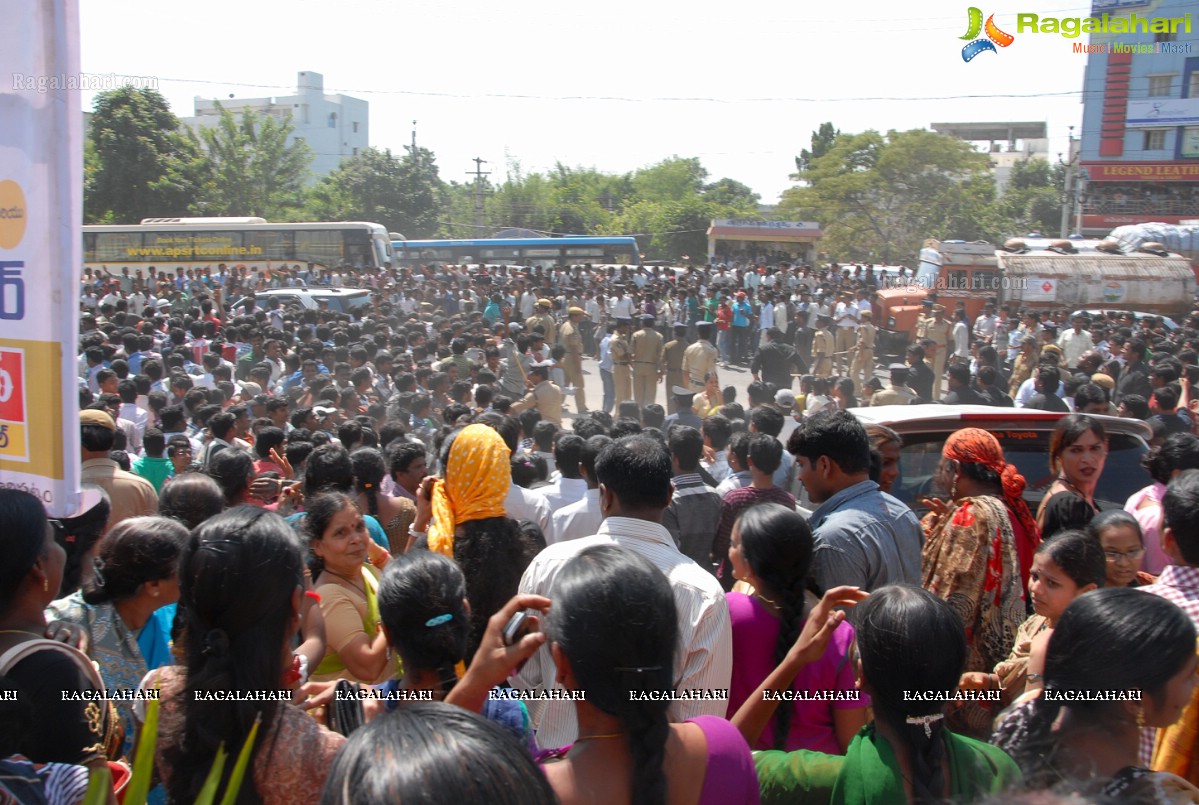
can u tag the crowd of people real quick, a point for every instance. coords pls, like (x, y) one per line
(378, 543)
(1104, 198)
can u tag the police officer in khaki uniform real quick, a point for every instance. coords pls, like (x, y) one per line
(940, 330)
(672, 362)
(646, 350)
(699, 359)
(923, 320)
(572, 362)
(543, 395)
(897, 393)
(845, 319)
(622, 361)
(823, 347)
(862, 368)
(545, 318)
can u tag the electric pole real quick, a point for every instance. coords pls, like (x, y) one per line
(479, 173)
(412, 148)
(1068, 186)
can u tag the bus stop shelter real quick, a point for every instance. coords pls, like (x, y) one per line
(731, 239)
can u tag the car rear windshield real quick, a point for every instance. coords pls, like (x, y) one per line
(343, 302)
(1028, 450)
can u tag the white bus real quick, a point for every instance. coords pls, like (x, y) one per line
(166, 244)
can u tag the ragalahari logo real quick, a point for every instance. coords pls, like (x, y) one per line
(994, 35)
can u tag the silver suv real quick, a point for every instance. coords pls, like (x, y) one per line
(1024, 436)
(340, 300)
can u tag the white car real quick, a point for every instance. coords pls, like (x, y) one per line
(1102, 313)
(339, 300)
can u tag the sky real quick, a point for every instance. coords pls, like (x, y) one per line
(615, 85)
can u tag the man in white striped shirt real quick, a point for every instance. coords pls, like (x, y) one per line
(634, 474)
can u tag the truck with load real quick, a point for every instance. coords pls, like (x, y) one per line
(1179, 238)
(1060, 275)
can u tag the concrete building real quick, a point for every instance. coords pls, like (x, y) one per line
(1023, 141)
(333, 126)
(1140, 129)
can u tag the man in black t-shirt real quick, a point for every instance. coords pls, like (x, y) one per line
(960, 392)
(920, 374)
(1048, 378)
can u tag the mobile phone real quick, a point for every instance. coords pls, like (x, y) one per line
(517, 627)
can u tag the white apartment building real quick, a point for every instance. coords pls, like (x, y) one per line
(333, 126)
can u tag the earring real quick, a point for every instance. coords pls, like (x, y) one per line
(953, 489)
(1141, 717)
(46, 585)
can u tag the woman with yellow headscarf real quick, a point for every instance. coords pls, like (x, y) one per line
(477, 476)
(469, 523)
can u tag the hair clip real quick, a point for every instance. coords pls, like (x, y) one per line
(641, 670)
(926, 722)
(439, 620)
(98, 572)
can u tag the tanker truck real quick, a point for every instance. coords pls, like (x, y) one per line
(1036, 275)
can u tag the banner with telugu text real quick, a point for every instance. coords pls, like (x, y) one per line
(41, 212)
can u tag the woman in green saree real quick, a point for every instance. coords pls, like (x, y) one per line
(911, 649)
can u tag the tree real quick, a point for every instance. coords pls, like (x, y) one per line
(671, 179)
(878, 196)
(404, 194)
(422, 194)
(137, 163)
(252, 170)
(523, 202)
(667, 204)
(822, 140)
(669, 229)
(1031, 202)
(734, 195)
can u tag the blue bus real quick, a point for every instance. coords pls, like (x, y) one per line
(528, 252)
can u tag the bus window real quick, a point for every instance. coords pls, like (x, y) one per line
(321, 246)
(189, 245)
(273, 244)
(957, 280)
(493, 255)
(115, 247)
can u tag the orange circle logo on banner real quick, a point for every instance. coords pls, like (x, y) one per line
(12, 214)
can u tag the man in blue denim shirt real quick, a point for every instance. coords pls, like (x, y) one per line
(743, 314)
(864, 537)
